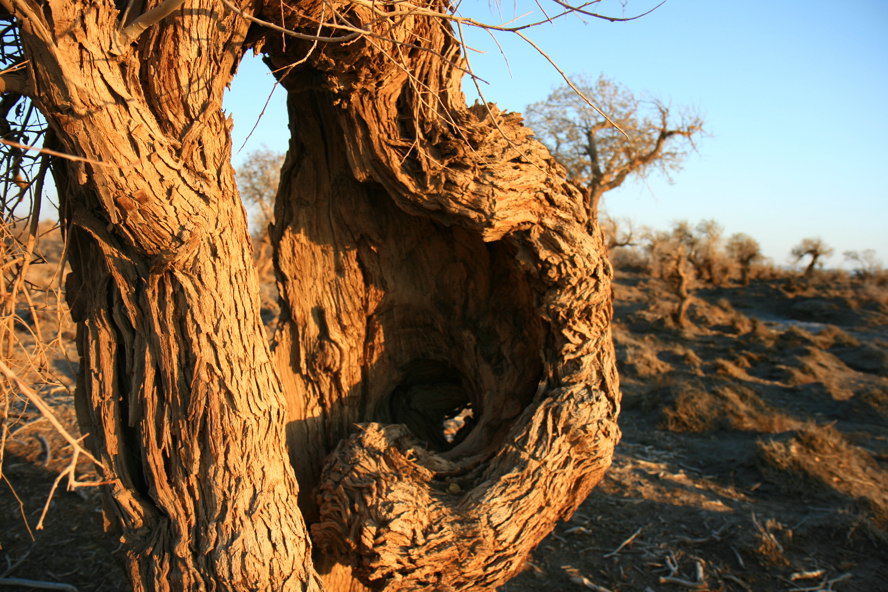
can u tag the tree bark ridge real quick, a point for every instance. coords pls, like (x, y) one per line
(406, 515)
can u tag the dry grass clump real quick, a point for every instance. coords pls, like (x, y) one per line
(641, 361)
(767, 543)
(759, 333)
(832, 336)
(872, 358)
(872, 293)
(694, 407)
(817, 459)
(721, 317)
(811, 365)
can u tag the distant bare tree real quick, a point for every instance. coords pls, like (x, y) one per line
(745, 251)
(815, 248)
(706, 254)
(598, 157)
(619, 232)
(669, 259)
(258, 179)
(866, 262)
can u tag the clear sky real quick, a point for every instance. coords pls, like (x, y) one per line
(794, 96)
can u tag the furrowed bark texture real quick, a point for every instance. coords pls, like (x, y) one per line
(177, 388)
(431, 257)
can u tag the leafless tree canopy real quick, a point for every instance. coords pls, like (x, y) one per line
(745, 250)
(637, 137)
(815, 248)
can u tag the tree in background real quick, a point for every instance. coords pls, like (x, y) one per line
(258, 180)
(705, 251)
(669, 255)
(866, 262)
(619, 232)
(431, 258)
(598, 156)
(745, 251)
(816, 249)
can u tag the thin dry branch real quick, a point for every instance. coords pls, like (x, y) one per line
(132, 31)
(625, 543)
(340, 39)
(62, 154)
(41, 405)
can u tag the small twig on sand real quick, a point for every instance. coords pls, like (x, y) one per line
(624, 543)
(737, 581)
(577, 578)
(23, 583)
(700, 576)
(824, 586)
(682, 582)
(47, 449)
(806, 575)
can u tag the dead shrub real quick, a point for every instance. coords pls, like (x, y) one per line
(721, 317)
(832, 336)
(695, 408)
(630, 259)
(759, 333)
(641, 361)
(819, 460)
(767, 540)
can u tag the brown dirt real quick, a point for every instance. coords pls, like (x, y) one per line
(754, 457)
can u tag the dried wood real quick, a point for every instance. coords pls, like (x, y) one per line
(432, 255)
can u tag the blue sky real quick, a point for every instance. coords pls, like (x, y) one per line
(794, 96)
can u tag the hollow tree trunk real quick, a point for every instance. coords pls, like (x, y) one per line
(432, 259)
(432, 262)
(176, 388)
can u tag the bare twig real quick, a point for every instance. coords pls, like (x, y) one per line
(46, 411)
(60, 154)
(47, 449)
(288, 32)
(806, 575)
(625, 543)
(132, 31)
(682, 582)
(578, 578)
(21, 506)
(737, 581)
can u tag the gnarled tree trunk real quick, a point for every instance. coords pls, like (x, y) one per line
(177, 388)
(432, 259)
(434, 267)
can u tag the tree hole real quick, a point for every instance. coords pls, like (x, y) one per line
(434, 402)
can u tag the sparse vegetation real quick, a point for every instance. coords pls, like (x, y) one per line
(758, 436)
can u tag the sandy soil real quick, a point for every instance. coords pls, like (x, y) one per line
(754, 456)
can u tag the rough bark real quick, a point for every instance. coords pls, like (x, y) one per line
(177, 388)
(431, 256)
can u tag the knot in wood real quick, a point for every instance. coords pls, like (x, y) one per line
(326, 357)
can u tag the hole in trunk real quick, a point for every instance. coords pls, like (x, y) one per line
(434, 402)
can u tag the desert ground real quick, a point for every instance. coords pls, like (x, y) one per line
(754, 454)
